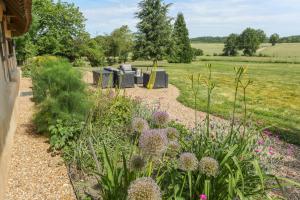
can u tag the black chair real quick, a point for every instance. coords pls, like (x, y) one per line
(161, 79)
(105, 76)
(124, 77)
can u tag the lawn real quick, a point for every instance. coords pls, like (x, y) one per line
(273, 98)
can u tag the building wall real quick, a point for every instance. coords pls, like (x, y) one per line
(9, 89)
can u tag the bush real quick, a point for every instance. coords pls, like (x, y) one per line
(82, 62)
(59, 92)
(35, 63)
(197, 52)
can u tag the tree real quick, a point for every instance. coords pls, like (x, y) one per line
(120, 43)
(231, 45)
(54, 29)
(181, 51)
(274, 38)
(250, 39)
(154, 29)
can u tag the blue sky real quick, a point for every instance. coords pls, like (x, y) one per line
(203, 17)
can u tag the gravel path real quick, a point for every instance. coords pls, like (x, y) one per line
(33, 173)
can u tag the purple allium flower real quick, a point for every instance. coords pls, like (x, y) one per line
(203, 197)
(172, 134)
(188, 162)
(139, 125)
(160, 118)
(137, 163)
(153, 142)
(209, 166)
(144, 189)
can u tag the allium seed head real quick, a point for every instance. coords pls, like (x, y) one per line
(153, 142)
(172, 134)
(160, 118)
(173, 148)
(209, 166)
(139, 125)
(188, 162)
(137, 163)
(144, 189)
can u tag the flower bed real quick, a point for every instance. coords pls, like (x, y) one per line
(127, 151)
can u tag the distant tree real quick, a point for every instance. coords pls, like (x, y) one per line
(120, 43)
(154, 30)
(231, 45)
(181, 51)
(197, 52)
(274, 38)
(250, 40)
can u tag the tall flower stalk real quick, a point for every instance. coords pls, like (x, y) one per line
(195, 81)
(210, 87)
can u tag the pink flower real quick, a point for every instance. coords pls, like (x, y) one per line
(257, 150)
(261, 142)
(203, 197)
(268, 133)
(271, 151)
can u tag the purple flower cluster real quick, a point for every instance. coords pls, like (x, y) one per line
(139, 125)
(153, 142)
(161, 118)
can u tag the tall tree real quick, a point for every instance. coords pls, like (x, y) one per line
(231, 45)
(54, 29)
(274, 38)
(181, 50)
(154, 30)
(120, 43)
(250, 39)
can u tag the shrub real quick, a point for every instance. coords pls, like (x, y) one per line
(34, 63)
(65, 133)
(59, 92)
(197, 52)
(82, 62)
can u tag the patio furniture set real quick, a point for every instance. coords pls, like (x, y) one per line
(127, 76)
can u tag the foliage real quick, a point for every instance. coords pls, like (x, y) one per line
(274, 38)
(181, 50)
(55, 28)
(35, 63)
(154, 29)
(81, 62)
(290, 39)
(208, 39)
(231, 45)
(229, 166)
(250, 39)
(65, 133)
(60, 93)
(197, 52)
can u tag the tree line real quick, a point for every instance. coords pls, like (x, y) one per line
(58, 28)
(248, 41)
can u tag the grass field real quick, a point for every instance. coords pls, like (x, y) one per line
(286, 50)
(274, 97)
(209, 48)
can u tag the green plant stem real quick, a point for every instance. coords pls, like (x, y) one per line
(190, 184)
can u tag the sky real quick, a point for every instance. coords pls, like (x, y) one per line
(203, 17)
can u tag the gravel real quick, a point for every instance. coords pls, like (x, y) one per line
(33, 172)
